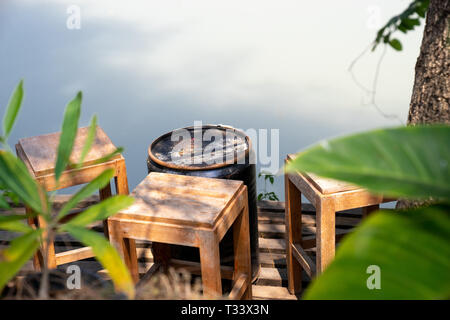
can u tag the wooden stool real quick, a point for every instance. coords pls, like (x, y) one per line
(39, 155)
(189, 211)
(327, 196)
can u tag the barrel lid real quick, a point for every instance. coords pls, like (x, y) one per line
(200, 148)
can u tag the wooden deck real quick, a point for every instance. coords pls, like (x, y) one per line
(272, 280)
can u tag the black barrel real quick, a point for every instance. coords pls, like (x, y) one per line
(213, 151)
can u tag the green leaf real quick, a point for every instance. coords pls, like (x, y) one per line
(68, 134)
(410, 162)
(109, 156)
(15, 176)
(14, 223)
(411, 250)
(396, 44)
(3, 203)
(17, 254)
(96, 184)
(102, 210)
(107, 255)
(13, 109)
(89, 140)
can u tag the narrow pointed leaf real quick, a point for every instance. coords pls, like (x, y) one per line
(102, 210)
(89, 140)
(410, 162)
(109, 156)
(68, 134)
(14, 223)
(107, 255)
(17, 254)
(96, 184)
(12, 109)
(15, 176)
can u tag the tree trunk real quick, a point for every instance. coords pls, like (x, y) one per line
(431, 91)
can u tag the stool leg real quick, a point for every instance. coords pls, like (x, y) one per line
(369, 209)
(210, 265)
(105, 193)
(121, 179)
(325, 238)
(121, 183)
(46, 246)
(241, 245)
(122, 245)
(293, 220)
(37, 257)
(161, 254)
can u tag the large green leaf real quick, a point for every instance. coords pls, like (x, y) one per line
(3, 203)
(15, 176)
(14, 222)
(68, 134)
(13, 109)
(411, 249)
(96, 184)
(107, 255)
(410, 162)
(17, 254)
(102, 210)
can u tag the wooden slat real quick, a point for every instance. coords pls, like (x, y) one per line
(272, 245)
(74, 255)
(302, 257)
(239, 287)
(270, 292)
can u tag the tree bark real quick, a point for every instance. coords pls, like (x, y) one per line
(431, 91)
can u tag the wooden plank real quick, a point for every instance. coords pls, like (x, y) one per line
(272, 277)
(272, 245)
(304, 259)
(278, 206)
(239, 287)
(271, 292)
(74, 255)
(272, 260)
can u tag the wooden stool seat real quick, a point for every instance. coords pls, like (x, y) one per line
(189, 211)
(328, 196)
(39, 155)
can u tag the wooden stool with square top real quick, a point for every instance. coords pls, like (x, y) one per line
(189, 211)
(39, 155)
(328, 196)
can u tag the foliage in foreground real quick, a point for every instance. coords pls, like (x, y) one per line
(18, 185)
(411, 248)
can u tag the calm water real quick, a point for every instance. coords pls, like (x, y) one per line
(147, 67)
